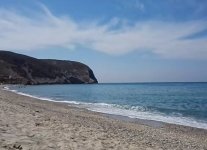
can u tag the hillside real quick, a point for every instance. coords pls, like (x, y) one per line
(21, 69)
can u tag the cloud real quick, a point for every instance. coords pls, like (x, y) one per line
(45, 30)
(133, 4)
(140, 6)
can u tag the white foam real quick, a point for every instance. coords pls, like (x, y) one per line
(5, 88)
(42, 98)
(147, 115)
(132, 112)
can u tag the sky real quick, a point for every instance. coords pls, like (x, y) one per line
(120, 40)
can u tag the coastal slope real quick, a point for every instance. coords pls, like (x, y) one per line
(22, 69)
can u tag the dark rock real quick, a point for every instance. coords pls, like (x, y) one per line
(20, 69)
(38, 124)
(15, 146)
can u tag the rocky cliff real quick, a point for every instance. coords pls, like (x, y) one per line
(20, 69)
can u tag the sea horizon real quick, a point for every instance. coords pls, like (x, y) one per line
(151, 82)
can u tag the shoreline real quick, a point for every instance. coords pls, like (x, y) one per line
(21, 115)
(152, 123)
(149, 122)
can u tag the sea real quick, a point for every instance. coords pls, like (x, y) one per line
(176, 103)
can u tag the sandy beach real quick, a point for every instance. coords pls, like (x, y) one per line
(31, 124)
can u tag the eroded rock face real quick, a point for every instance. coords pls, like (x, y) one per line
(20, 69)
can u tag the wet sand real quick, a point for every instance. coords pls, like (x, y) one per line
(31, 124)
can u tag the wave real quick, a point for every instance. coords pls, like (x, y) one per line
(138, 112)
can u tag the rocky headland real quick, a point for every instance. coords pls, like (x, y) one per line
(21, 69)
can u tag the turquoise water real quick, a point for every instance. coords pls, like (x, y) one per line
(179, 103)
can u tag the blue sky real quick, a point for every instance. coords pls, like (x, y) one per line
(121, 40)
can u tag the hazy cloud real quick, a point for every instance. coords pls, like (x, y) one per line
(45, 30)
(132, 4)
